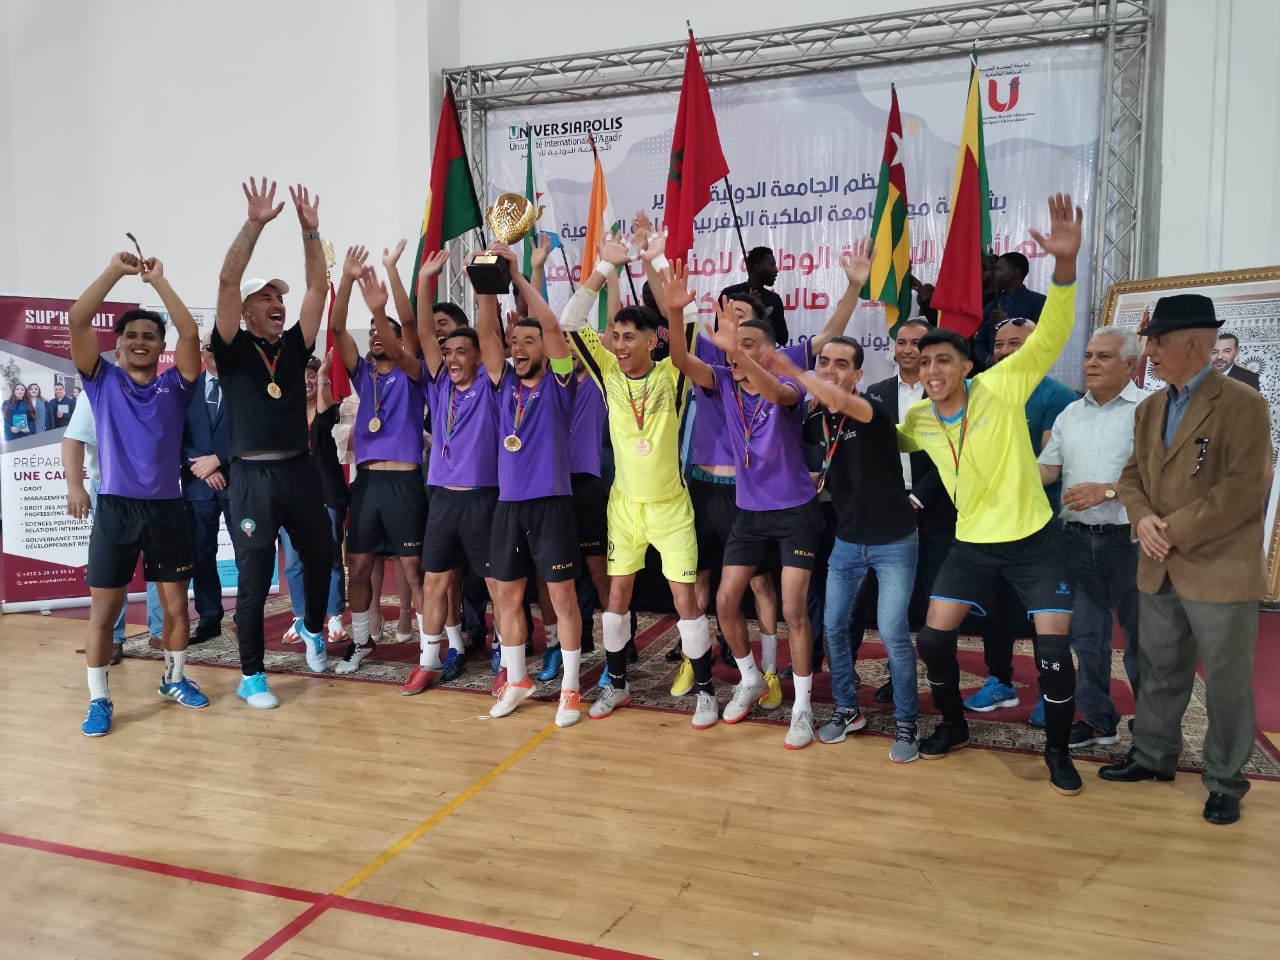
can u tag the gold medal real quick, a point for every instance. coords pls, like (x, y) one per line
(274, 391)
(513, 443)
(643, 447)
(375, 425)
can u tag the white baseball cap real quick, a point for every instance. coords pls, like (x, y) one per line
(250, 287)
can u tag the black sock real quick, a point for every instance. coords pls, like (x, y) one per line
(702, 673)
(1057, 686)
(617, 661)
(938, 651)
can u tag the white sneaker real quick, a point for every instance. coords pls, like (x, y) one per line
(745, 696)
(705, 712)
(801, 733)
(337, 632)
(567, 713)
(291, 635)
(317, 655)
(354, 656)
(405, 637)
(609, 699)
(512, 696)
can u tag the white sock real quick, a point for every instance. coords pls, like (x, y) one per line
(513, 660)
(360, 628)
(168, 666)
(454, 633)
(747, 666)
(98, 683)
(422, 631)
(803, 687)
(177, 664)
(695, 637)
(553, 636)
(572, 664)
(769, 652)
(429, 653)
(616, 629)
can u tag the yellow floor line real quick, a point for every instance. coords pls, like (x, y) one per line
(429, 824)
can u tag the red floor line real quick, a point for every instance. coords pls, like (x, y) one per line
(486, 931)
(288, 931)
(163, 869)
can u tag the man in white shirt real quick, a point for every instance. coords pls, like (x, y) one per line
(1090, 443)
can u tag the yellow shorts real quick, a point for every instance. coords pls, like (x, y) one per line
(667, 525)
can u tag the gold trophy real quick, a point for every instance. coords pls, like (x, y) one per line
(510, 218)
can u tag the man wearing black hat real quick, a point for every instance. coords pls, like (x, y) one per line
(1195, 490)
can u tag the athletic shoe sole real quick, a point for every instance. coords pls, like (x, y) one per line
(1065, 792)
(1096, 741)
(606, 716)
(998, 705)
(950, 750)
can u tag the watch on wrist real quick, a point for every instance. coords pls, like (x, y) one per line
(311, 235)
(326, 383)
(1109, 493)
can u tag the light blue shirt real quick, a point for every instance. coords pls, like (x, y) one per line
(1092, 444)
(1179, 400)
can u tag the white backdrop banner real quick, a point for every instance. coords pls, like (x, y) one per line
(804, 158)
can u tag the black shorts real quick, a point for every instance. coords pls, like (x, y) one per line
(534, 537)
(590, 508)
(388, 513)
(714, 511)
(460, 528)
(975, 573)
(796, 532)
(123, 527)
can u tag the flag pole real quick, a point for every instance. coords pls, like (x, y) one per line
(567, 269)
(728, 188)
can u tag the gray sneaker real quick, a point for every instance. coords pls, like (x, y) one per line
(609, 700)
(801, 733)
(745, 696)
(705, 713)
(842, 721)
(906, 746)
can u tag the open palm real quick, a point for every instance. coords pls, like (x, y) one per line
(1065, 228)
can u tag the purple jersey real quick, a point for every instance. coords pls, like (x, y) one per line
(396, 401)
(586, 436)
(139, 431)
(772, 474)
(464, 432)
(710, 445)
(540, 465)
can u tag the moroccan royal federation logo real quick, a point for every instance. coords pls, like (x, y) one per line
(248, 525)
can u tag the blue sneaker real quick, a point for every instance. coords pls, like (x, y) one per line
(184, 692)
(317, 655)
(1037, 715)
(604, 679)
(254, 691)
(97, 723)
(993, 695)
(495, 662)
(455, 661)
(552, 663)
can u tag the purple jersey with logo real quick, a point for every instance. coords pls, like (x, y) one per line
(139, 431)
(710, 444)
(540, 468)
(464, 432)
(397, 402)
(772, 474)
(586, 436)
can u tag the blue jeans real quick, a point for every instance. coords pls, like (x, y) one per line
(293, 568)
(895, 567)
(1102, 566)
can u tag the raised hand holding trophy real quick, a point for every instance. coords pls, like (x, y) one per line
(510, 218)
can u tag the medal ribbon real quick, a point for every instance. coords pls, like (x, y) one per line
(377, 401)
(956, 451)
(270, 364)
(830, 445)
(638, 414)
(747, 426)
(521, 407)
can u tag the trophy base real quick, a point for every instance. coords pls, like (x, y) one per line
(490, 274)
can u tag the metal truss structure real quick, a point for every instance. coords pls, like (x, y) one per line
(1124, 27)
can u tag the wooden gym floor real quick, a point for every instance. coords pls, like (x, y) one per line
(353, 822)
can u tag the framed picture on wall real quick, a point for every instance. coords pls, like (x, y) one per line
(1248, 350)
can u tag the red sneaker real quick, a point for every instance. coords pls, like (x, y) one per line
(418, 681)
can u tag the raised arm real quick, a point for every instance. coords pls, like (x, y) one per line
(857, 268)
(352, 270)
(677, 296)
(400, 297)
(262, 210)
(553, 337)
(375, 297)
(324, 383)
(426, 319)
(489, 330)
(312, 309)
(612, 254)
(186, 355)
(652, 246)
(724, 334)
(828, 394)
(84, 342)
(538, 260)
(613, 303)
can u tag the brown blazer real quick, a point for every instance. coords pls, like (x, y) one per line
(1215, 515)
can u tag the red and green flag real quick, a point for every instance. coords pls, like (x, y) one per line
(957, 295)
(452, 208)
(890, 280)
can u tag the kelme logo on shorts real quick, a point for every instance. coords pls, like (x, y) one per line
(248, 525)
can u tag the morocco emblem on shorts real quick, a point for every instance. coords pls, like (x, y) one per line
(248, 525)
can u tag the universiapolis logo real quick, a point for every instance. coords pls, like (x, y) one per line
(566, 136)
(1006, 100)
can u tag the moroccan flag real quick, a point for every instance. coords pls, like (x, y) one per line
(890, 280)
(339, 382)
(452, 208)
(535, 192)
(697, 161)
(957, 295)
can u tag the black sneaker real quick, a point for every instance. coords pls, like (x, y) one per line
(885, 693)
(943, 740)
(675, 653)
(1062, 772)
(1085, 734)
